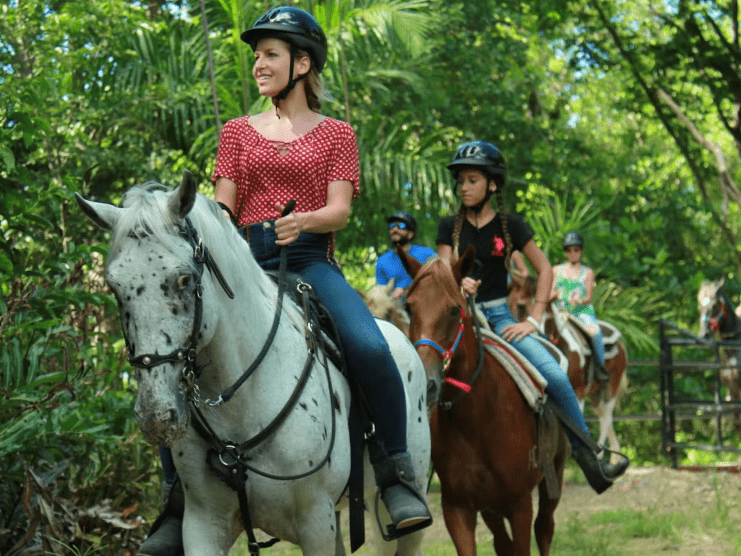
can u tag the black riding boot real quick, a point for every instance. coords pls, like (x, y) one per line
(600, 474)
(406, 506)
(166, 536)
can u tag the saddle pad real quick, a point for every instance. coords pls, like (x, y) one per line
(528, 379)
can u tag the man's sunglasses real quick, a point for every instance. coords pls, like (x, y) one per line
(400, 225)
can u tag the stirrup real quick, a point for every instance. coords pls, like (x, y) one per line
(392, 532)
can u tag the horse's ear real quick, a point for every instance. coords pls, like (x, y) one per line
(104, 215)
(390, 286)
(183, 198)
(411, 265)
(464, 264)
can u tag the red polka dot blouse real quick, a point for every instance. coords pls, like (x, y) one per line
(267, 173)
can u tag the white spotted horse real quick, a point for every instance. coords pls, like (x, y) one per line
(196, 311)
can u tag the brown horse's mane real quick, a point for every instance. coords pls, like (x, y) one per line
(441, 274)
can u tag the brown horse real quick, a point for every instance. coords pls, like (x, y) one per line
(485, 448)
(572, 343)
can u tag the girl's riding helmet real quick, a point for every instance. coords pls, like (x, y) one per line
(483, 155)
(294, 26)
(573, 239)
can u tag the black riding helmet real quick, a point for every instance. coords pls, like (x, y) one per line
(573, 239)
(299, 29)
(403, 216)
(484, 156)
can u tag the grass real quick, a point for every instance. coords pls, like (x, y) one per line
(616, 531)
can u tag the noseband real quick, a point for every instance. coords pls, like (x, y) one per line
(447, 355)
(188, 353)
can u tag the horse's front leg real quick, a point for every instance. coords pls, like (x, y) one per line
(317, 529)
(209, 525)
(461, 524)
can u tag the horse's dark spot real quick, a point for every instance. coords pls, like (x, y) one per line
(337, 403)
(128, 298)
(303, 406)
(315, 402)
(139, 290)
(311, 463)
(419, 419)
(419, 405)
(409, 377)
(181, 454)
(313, 418)
(167, 338)
(174, 310)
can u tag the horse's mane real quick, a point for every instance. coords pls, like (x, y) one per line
(149, 217)
(440, 273)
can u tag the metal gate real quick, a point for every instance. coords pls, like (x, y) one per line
(683, 354)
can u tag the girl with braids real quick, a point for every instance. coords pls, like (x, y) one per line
(479, 170)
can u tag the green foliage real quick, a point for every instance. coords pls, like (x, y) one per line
(118, 93)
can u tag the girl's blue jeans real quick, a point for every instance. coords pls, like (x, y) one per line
(599, 344)
(559, 388)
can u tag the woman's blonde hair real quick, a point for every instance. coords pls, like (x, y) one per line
(313, 84)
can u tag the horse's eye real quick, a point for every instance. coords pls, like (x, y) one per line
(183, 281)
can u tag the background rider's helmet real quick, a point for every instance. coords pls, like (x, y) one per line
(294, 26)
(573, 239)
(403, 216)
(483, 155)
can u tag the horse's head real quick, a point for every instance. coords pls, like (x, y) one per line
(383, 305)
(522, 295)
(157, 282)
(436, 304)
(710, 307)
(380, 300)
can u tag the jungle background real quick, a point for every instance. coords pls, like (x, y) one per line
(617, 119)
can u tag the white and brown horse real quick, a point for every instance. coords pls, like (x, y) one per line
(572, 341)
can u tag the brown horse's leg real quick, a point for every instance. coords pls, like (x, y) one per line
(521, 521)
(461, 524)
(545, 524)
(502, 540)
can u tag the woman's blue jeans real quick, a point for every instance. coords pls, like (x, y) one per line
(559, 388)
(367, 351)
(599, 344)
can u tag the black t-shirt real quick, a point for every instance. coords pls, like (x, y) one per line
(490, 250)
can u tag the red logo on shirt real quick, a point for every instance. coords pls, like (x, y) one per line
(498, 247)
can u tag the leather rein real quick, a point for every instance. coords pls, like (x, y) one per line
(232, 455)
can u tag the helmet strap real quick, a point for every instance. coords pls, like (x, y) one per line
(476, 209)
(291, 83)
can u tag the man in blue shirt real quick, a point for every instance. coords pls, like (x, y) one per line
(402, 228)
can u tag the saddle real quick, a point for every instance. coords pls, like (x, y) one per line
(580, 340)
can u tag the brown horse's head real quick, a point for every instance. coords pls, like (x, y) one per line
(522, 295)
(435, 303)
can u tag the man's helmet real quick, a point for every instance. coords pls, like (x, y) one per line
(403, 216)
(573, 239)
(294, 26)
(484, 156)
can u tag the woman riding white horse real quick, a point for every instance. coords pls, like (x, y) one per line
(294, 152)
